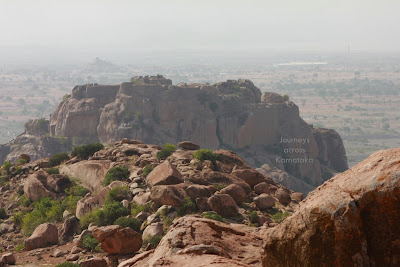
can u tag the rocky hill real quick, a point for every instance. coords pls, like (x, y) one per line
(128, 196)
(265, 129)
(136, 204)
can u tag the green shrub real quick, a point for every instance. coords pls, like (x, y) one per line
(18, 217)
(213, 216)
(89, 242)
(22, 161)
(118, 193)
(147, 170)
(85, 151)
(219, 186)
(76, 190)
(187, 206)
(107, 215)
(279, 216)
(154, 241)
(3, 214)
(53, 170)
(285, 98)
(4, 179)
(166, 151)
(205, 154)
(20, 247)
(132, 223)
(68, 264)
(136, 209)
(253, 217)
(45, 210)
(6, 166)
(24, 201)
(57, 159)
(116, 174)
(167, 222)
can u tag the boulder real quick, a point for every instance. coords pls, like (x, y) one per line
(164, 174)
(271, 97)
(188, 145)
(283, 196)
(25, 157)
(264, 201)
(224, 205)
(93, 262)
(262, 188)
(209, 177)
(8, 259)
(35, 186)
(196, 191)
(69, 229)
(202, 204)
(44, 235)
(350, 220)
(194, 241)
(250, 176)
(297, 196)
(116, 240)
(58, 183)
(152, 230)
(236, 192)
(173, 195)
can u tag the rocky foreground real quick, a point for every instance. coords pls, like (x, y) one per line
(180, 207)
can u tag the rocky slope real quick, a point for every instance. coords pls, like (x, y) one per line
(180, 199)
(263, 129)
(197, 212)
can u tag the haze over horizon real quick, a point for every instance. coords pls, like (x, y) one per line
(45, 31)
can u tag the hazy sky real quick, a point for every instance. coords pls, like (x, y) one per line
(88, 28)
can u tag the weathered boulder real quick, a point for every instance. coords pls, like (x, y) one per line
(196, 191)
(69, 229)
(154, 229)
(35, 186)
(250, 176)
(283, 196)
(261, 188)
(93, 262)
(297, 196)
(172, 195)
(44, 235)
(350, 220)
(89, 172)
(264, 201)
(236, 192)
(194, 241)
(164, 174)
(117, 240)
(188, 145)
(7, 259)
(223, 204)
(271, 97)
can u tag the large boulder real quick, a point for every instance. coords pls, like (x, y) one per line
(350, 220)
(164, 174)
(173, 195)
(188, 145)
(250, 176)
(236, 192)
(223, 204)
(44, 235)
(264, 201)
(69, 229)
(35, 186)
(194, 241)
(116, 240)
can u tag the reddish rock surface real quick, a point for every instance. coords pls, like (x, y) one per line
(117, 240)
(44, 235)
(350, 220)
(164, 174)
(194, 241)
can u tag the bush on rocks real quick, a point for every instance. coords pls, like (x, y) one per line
(86, 151)
(116, 174)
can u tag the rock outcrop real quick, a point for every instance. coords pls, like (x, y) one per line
(350, 220)
(194, 241)
(232, 114)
